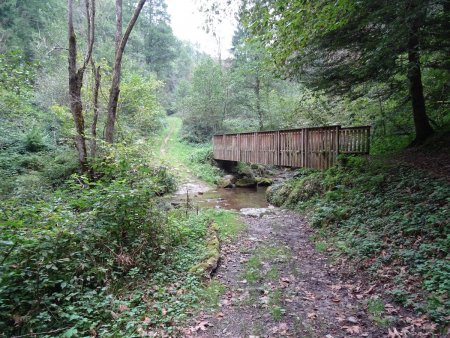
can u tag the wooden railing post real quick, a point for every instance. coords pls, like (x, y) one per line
(338, 131)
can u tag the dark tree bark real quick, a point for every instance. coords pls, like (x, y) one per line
(121, 42)
(76, 78)
(422, 125)
(97, 79)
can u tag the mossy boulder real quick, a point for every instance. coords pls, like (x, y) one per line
(246, 182)
(212, 253)
(224, 183)
(264, 181)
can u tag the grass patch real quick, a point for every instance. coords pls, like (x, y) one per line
(252, 273)
(229, 222)
(275, 305)
(321, 246)
(187, 158)
(210, 296)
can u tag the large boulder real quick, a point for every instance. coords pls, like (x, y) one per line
(246, 182)
(264, 181)
(232, 178)
(226, 182)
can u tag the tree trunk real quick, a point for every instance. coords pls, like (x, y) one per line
(96, 88)
(76, 78)
(258, 102)
(121, 42)
(421, 123)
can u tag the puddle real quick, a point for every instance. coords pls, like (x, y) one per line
(232, 199)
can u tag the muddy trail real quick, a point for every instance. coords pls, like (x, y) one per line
(279, 285)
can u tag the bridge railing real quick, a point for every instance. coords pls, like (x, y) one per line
(303, 148)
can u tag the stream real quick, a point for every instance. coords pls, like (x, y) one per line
(221, 198)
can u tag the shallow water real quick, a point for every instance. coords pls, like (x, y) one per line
(232, 199)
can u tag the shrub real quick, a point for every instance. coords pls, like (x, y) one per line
(62, 256)
(202, 155)
(34, 141)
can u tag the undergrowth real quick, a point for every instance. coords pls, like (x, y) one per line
(392, 220)
(101, 257)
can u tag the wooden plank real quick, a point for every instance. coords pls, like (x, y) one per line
(303, 147)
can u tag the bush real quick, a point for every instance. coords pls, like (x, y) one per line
(62, 257)
(202, 155)
(34, 141)
(60, 166)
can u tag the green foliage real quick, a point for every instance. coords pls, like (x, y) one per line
(202, 104)
(16, 72)
(229, 223)
(314, 42)
(384, 217)
(140, 105)
(80, 259)
(34, 141)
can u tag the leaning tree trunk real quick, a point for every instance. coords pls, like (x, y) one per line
(421, 123)
(121, 42)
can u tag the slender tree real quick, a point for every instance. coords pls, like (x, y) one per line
(95, 106)
(76, 76)
(121, 41)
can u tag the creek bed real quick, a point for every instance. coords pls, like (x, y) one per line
(231, 199)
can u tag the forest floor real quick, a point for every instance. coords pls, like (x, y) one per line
(432, 158)
(279, 284)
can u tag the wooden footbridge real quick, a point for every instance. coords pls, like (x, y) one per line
(316, 148)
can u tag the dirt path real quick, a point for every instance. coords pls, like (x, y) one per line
(188, 183)
(163, 147)
(278, 285)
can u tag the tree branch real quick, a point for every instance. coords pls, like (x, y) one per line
(90, 31)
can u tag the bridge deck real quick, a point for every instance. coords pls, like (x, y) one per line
(302, 148)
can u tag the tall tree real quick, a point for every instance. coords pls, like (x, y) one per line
(252, 73)
(76, 76)
(337, 46)
(121, 41)
(201, 103)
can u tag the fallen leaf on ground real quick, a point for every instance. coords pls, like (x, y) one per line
(352, 319)
(202, 326)
(390, 309)
(354, 329)
(393, 333)
(312, 315)
(340, 319)
(123, 307)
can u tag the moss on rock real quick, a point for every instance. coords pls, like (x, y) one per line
(212, 255)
